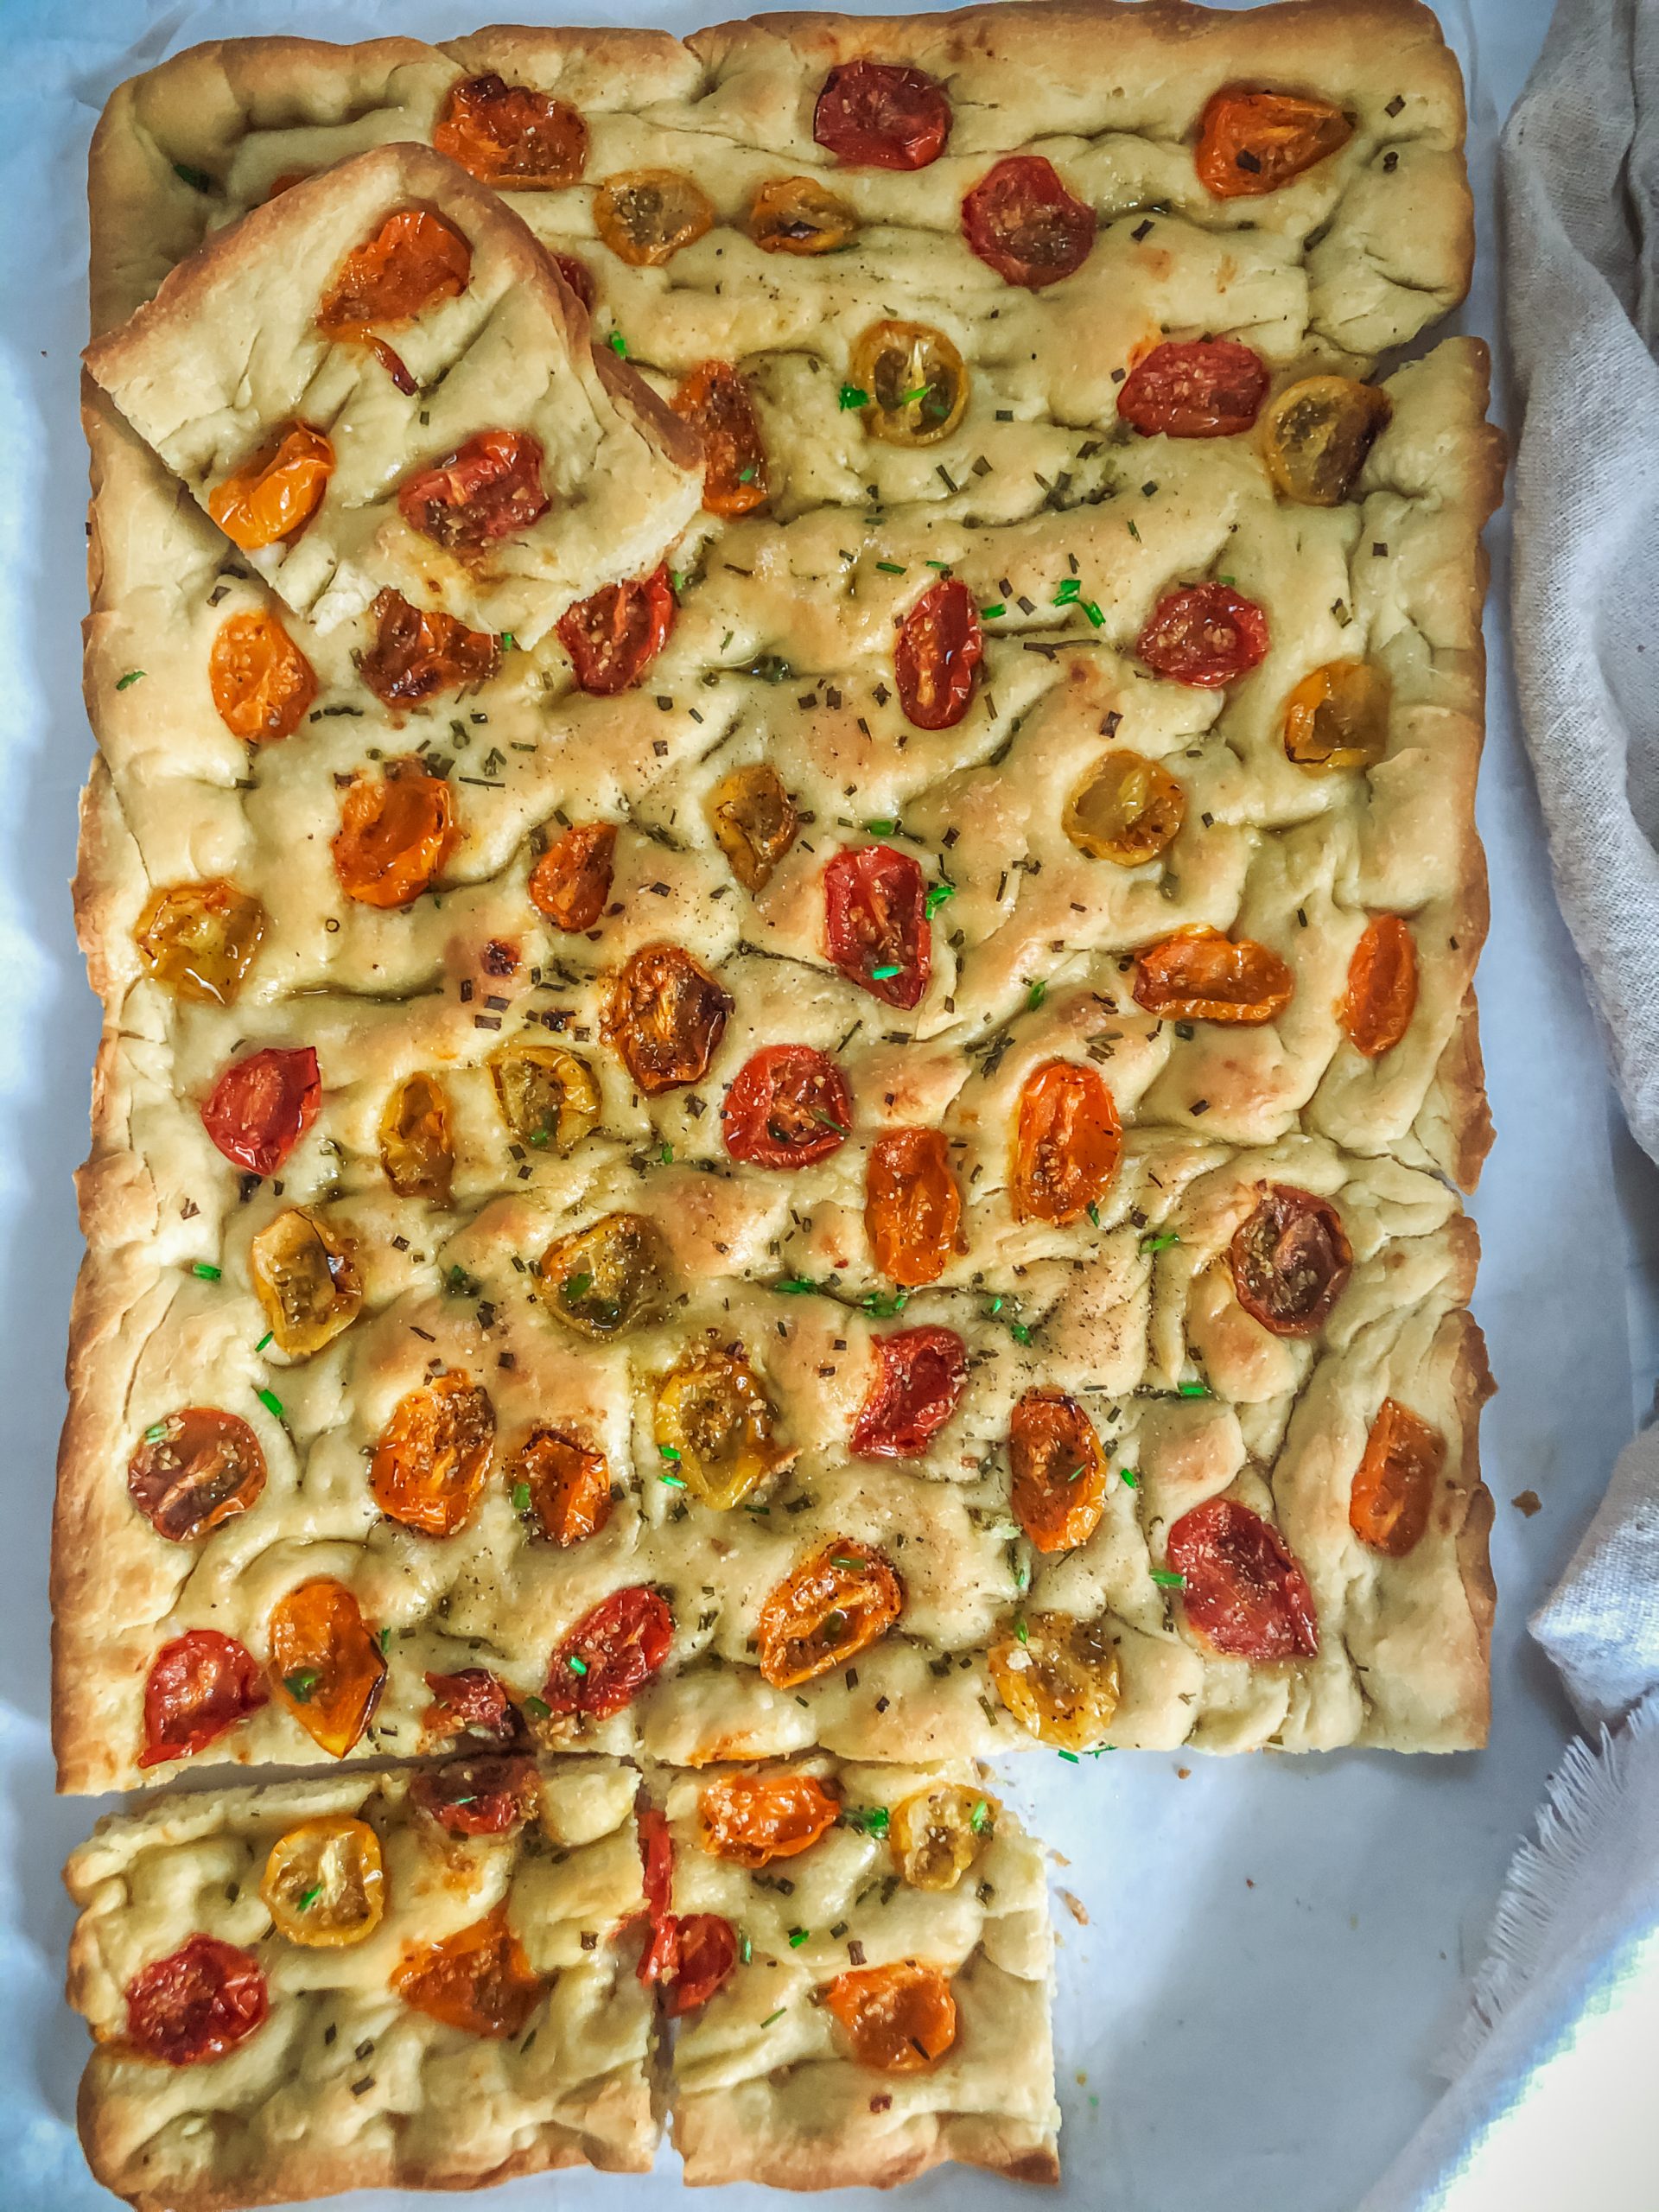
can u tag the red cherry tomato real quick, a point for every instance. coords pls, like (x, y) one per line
(613, 636)
(1244, 1591)
(611, 1654)
(1022, 221)
(938, 652)
(197, 2004)
(262, 1105)
(875, 115)
(474, 1703)
(707, 1944)
(922, 1373)
(199, 1686)
(487, 489)
(478, 1796)
(660, 1957)
(1205, 388)
(789, 1107)
(875, 921)
(1205, 635)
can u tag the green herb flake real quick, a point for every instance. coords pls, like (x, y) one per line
(1022, 1631)
(668, 1452)
(577, 1666)
(265, 1340)
(1128, 1475)
(1069, 589)
(881, 825)
(132, 675)
(979, 1819)
(383, 1637)
(309, 1897)
(883, 1304)
(1035, 996)
(272, 1404)
(1161, 1243)
(521, 1497)
(677, 580)
(850, 396)
(1019, 1332)
(1071, 1757)
(302, 1683)
(797, 1936)
(770, 2017)
(937, 894)
(509, 643)
(1092, 608)
(917, 392)
(619, 344)
(884, 975)
(869, 1819)
(674, 1482)
(745, 475)
(1194, 1390)
(1167, 1578)
(990, 613)
(666, 1156)
(891, 568)
(538, 1708)
(1093, 1212)
(796, 1287)
(205, 1271)
(1134, 532)
(745, 1949)
(944, 567)
(156, 1432)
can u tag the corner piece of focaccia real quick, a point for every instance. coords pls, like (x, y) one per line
(379, 380)
(415, 1979)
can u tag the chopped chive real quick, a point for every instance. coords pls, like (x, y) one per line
(668, 1452)
(521, 1497)
(538, 1708)
(995, 1308)
(944, 567)
(883, 1304)
(1161, 1243)
(577, 1666)
(1129, 1476)
(979, 1817)
(156, 1432)
(881, 975)
(666, 1156)
(265, 1340)
(509, 643)
(1022, 1631)
(881, 825)
(770, 2017)
(1093, 1212)
(677, 580)
(797, 1287)
(1167, 1578)
(745, 1949)
(1091, 609)
(990, 613)
(1134, 532)
(745, 475)
(937, 895)
(301, 1682)
(272, 1404)
(1019, 1332)
(619, 344)
(870, 1820)
(891, 568)
(309, 1897)
(797, 1936)
(840, 1559)
(851, 395)
(383, 1637)
(918, 392)
(1035, 996)
(1194, 1389)
(1071, 1757)
(206, 1271)
(674, 1482)
(132, 675)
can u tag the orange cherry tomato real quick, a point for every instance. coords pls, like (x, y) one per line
(488, 1796)
(507, 135)
(841, 1599)
(877, 925)
(199, 1686)
(478, 1980)
(395, 833)
(276, 490)
(1022, 222)
(938, 652)
(263, 684)
(1198, 388)
(875, 115)
(487, 489)
(1394, 1486)
(715, 401)
(571, 881)
(921, 1374)
(659, 1959)
(1250, 143)
(473, 1703)
(1205, 635)
(416, 1154)
(324, 1666)
(1381, 993)
(417, 655)
(790, 1107)
(613, 636)
(1198, 974)
(755, 1818)
(430, 1465)
(1068, 1143)
(1338, 716)
(754, 821)
(647, 216)
(1316, 434)
(414, 259)
(262, 1105)
(915, 383)
(193, 1470)
(562, 1488)
(797, 214)
(913, 1206)
(705, 1954)
(666, 1018)
(1059, 1470)
(1243, 1592)
(198, 940)
(198, 2003)
(1291, 1260)
(610, 1654)
(898, 2018)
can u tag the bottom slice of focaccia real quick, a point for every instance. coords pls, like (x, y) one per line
(419, 1979)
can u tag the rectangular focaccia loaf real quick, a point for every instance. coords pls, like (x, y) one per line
(347, 1984)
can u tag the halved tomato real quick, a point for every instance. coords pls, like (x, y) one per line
(1022, 222)
(647, 216)
(487, 1796)
(1205, 635)
(1290, 1259)
(199, 1686)
(262, 685)
(417, 654)
(788, 1107)
(324, 1883)
(878, 115)
(714, 1426)
(194, 1469)
(395, 833)
(613, 636)
(1198, 974)
(913, 1206)
(841, 1599)
(479, 1979)
(1381, 993)
(938, 652)
(754, 821)
(1394, 1487)
(276, 490)
(665, 1017)
(605, 1660)
(716, 401)
(304, 1276)
(325, 1665)
(1252, 142)
(561, 1488)
(898, 2018)
(198, 940)
(417, 1153)
(1067, 1145)
(198, 2003)
(486, 490)
(414, 259)
(1195, 388)
(433, 1456)
(920, 1377)
(797, 214)
(1059, 1470)
(602, 1280)
(509, 135)
(877, 925)
(571, 881)
(262, 1105)
(752, 1819)
(1242, 1592)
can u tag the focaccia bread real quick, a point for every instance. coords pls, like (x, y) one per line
(423, 1980)
(380, 383)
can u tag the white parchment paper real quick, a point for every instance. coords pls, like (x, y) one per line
(1275, 1949)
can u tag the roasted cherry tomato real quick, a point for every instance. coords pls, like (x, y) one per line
(561, 1488)
(486, 490)
(199, 1686)
(395, 834)
(1067, 1144)
(841, 1599)
(304, 1280)
(613, 636)
(611, 1654)
(263, 684)
(714, 400)
(1059, 1470)
(416, 655)
(661, 1954)
(489, 1796)
(797, 214)
(508, 135)
(1318, 433)
(197, 2004)
(1205, 635)
(1291, 1260)
(1250, 143)
(276, 490)
(578, 277)
(1338, 716)
(479, 1979)
(1243, 1593)
(601, 1280)
(1129, 810)
(939, 649)
(713, 1426)
(705, 1954)
(755, 1818)
(194, 1469)
(571, 881)
(414, 259)
(1022, 222)
(1198, 974)
(898, 2018)
(666, 1018)
(1396, 1482)
(199, 939)
(789, 1107)
(473, 1703)
(1381, 993)
(913, 1206)
(430, 1465)
(914, 381)
(877, 925)
(755, 823)
(417, 1153)
(647, 216)
(325, 1665)
(921, 1374)
(1060, 1677)
(548, 1097)
(324, 1882)
(1198, 388)
(875, 115)
(262, 1105)
(936, 1834)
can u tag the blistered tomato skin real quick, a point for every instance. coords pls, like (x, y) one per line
(414, 259)
(876, 115)
(797, 214)
(193, 1470)
(198, 940)
(262, 685)
(877, 925)
(1200, 388)
(486, 490)
(841, 1599)
(613, 636)
(1253, 142)
(1060, 1677)
(610, 1654)
(936, 1834)
(1022, 221)
(324, 1882)
(716, 401)
(1059, 1470)
(665, 1017)
(197, 2004)
(920, 1377)
(478, 1980)
(562, 1488)
(1338, 716)
(898, 2018)
(1068, 1143)
(1242, 1592)
(396, 832)
(752, 1819)
(275, 492)
(1290, 1259)
(913, 1206)
(417, 655)
(571, 882)
(1198, 974)
(324, 1666)
(1381, 993)
(789, 1107)
(474, 1703)
(262, 1105)
(433, 1458)
(600, 1280)
(1394, 1487)
(509, 135)
(200, 1685)
(647, 216)
(706, 1952)
(484, 1796)
(754, 821)
(1206, 636)
(937, 656)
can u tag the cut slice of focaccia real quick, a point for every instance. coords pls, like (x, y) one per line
(426, 1980)
(378, 381)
